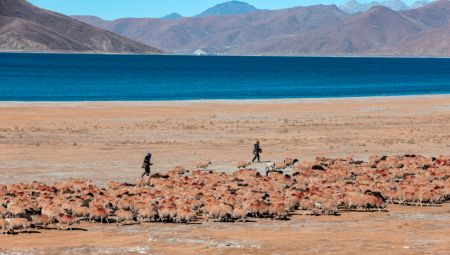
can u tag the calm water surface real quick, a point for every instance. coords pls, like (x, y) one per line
(73, 77)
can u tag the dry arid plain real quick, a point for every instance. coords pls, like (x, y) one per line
(50, 142)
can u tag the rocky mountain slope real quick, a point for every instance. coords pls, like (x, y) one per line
(24, 27)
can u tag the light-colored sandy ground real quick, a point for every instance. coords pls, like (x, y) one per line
(107, 141)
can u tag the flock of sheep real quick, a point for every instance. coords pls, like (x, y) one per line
(324, 186)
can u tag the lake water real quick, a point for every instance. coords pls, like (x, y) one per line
(78, 77)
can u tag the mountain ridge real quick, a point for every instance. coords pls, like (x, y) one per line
(229, 8)
(312, 30)
(25, 27)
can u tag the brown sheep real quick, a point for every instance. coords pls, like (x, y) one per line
(19, 223)
(203, 165)
(239, 214)
(167, 212)
(150, 213)
(186, 214)
(177, 171)
(242, 164)
(98, 213)
(4, 226)
(278, 210)
(290, 161)
(124, 216)
(65, 219)
(42, 221)
(3, 212)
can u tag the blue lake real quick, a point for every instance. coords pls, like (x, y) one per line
(78, 77)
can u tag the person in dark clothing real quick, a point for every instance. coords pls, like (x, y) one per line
(146, 165)
(256, 151)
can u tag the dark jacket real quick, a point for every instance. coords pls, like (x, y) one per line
(256, 149)
(147, 162)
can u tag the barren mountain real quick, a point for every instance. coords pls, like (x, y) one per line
(353, 6)
(396, 5)
(313, 30)
(24, 27)
(419, 3)
(172, 16)
(435, 42)
(351, 36)
(229, 8)
(222, 34)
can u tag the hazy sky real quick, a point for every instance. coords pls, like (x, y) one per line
(111, 9)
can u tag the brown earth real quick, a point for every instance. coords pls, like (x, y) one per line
(107, 141)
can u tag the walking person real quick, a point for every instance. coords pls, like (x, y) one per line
(146, 165)
(256, 151)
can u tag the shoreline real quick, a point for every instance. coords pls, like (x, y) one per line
(256, 55)
(220, 101)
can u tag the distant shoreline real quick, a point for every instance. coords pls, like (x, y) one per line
(192, 55)
(219, 101)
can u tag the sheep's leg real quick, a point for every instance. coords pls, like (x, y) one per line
(107, 220)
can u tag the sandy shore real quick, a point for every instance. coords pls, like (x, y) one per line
(108, 140)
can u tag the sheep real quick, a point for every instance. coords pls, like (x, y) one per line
(220, 212)
(50, 211)
(80, 212)
(42, 221)
(98, 213)
(242, 164)
(277, 166)
(150, 213)
(186, 214)
(177, 171)
(290, 161)
(167, 212)
(270, 166)
(65, 219)
(203, 165)
(3, 212)
(278, 210)
(4, 226)
(124, 216)
(176, 197)
(239, 213)
(19, 223)
(16, 210)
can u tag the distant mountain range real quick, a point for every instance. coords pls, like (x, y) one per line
(24, 27)
(236, 28)
(354, 6)
(312, 30)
